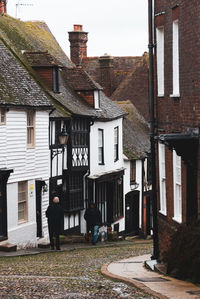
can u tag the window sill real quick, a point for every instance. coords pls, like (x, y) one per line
(174, 95)
(177, 219)
(160, 95)
(22, 222)
(163, 213)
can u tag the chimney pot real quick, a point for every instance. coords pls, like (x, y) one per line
(78, 27)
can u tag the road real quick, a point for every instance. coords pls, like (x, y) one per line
(69, 274)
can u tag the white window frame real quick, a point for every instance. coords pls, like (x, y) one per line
(162, 179)
(23, 201)
(2, 116)
(177, 187)
(100, 146)
(116, 144)
(175, 59)
(30, 129)
(96, 99)
(160, 60)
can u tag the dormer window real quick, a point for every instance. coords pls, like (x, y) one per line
(96, 99)
(56, 80)
(2, 116)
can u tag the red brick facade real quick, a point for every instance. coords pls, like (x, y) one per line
(3, 6)
(46, 74)
(180, 115)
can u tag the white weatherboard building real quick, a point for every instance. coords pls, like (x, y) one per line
(24, 154)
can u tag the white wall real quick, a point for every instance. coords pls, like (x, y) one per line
(28, 165)
(109, 163)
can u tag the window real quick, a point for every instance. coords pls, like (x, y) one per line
(96, 99)
(30, 129)
(177, 187)
(133, 171)
(2, 116)
(116, 144)
(100, 147)
(162, 179)
(22, 201)
(175, 62)
(160, 60)
(56, 80)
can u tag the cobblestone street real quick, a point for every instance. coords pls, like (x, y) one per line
(68, 274)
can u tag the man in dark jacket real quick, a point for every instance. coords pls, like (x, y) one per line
(55, 215)
(93, 220)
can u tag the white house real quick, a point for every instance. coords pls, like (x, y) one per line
(24, 153)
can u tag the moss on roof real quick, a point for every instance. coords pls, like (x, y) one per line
(30, 36)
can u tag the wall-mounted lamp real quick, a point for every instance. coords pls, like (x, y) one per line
(134, 185)
(63, 136)
(119, 181)
(45, 188)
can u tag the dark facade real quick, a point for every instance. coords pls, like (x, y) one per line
(177, 113)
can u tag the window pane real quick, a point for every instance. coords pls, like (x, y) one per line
(22, 201)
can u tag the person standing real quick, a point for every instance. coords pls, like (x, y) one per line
(93, 219)
(54, 214)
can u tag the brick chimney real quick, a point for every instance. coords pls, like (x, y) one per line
(2, 6)
(78, 44)
(106, 69)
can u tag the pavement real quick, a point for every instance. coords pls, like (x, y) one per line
(131, 271)
(134, 272)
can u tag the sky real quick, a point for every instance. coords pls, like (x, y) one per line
(115, 27)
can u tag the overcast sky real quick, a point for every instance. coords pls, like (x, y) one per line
(116, 27)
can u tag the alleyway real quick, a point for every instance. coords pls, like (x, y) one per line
(68, 274)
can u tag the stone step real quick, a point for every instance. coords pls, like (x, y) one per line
(7, 247)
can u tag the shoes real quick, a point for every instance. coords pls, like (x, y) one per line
(57, 248)
(93, 243)
(52, 248)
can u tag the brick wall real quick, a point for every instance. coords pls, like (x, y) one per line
(181, 113)
(46, 74)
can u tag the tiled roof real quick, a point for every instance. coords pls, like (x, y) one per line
(31, 36)
(17, 87)
(134, 87)
(36, 37)
(136, 140)
(40, 58)
(79, 80)
(75, 104)
(121, 66)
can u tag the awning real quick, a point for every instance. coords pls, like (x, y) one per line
(5, 173)
(185, 144)
(108, 176)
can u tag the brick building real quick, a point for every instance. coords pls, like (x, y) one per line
(177, 114)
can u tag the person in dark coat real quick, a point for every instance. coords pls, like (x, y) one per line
(54, 214)
(93, 219)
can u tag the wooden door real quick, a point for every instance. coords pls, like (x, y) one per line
(132, 213)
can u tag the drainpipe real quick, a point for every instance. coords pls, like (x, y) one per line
(152, 131)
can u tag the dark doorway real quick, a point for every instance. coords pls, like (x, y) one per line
(4, 174)
(149, 214)
(110, 194)
(132, 213)
(192, 204)
(39, 185)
